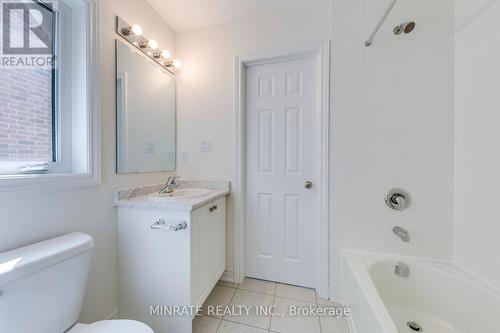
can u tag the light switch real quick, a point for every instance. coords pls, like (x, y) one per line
(206, 146)
(149, 147)
(183, 156)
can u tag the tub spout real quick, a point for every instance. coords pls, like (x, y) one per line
(401, 233)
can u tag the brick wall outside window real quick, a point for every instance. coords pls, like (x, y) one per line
(25, 114)
(25, 107)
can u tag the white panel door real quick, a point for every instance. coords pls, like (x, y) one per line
(282, 154)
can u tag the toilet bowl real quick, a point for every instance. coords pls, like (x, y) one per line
(42, 288)
(112, 326)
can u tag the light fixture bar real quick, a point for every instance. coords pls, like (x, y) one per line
(148, 47)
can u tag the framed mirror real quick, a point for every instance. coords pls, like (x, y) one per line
(145, 114)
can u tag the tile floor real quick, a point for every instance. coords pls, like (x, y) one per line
(253, 292)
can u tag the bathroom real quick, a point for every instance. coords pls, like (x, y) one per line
(414, 112)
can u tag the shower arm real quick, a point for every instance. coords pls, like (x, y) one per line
(379, 24)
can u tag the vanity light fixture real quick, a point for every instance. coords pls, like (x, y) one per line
(175, 64)
(133, 30)
(164, 54)
(149, 44)
(148, 47)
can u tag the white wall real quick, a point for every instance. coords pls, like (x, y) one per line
(206, 86)
(478, 138)
(392, 126)
(30, 216)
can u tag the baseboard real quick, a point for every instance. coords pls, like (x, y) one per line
(228, 276)
(113, 315)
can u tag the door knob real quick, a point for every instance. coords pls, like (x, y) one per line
(308, 185)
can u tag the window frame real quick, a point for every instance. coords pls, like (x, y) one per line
(61, 177)
(55, 86)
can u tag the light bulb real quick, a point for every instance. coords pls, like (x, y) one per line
(177, 63)
(136, 29)
(165, 54)
(153, 44)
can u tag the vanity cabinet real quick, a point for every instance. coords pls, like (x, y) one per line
(162, 267)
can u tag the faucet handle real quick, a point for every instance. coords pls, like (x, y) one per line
(397, 199)
(172, 180)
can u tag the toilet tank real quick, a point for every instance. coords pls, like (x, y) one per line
(42, 285)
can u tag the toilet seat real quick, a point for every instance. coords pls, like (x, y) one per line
(112, 326)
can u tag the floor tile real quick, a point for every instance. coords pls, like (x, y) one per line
(227, 284)
(205, 324)
(289, 323)
(334, 325)
(297, 293)
(220, 296)
(254, 301)
(258, 286)
(228, 327)
(329, 319)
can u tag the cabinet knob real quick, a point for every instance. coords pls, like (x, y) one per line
(213, 208)
(308, 185)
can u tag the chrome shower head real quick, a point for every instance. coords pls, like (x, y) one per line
(406, 27)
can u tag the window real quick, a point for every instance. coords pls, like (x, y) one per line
(27, 98)
(48, 106)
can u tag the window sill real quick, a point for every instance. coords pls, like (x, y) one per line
(47, 181)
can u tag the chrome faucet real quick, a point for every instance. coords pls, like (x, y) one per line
(402, 269)
(170, 185)
(401, 233)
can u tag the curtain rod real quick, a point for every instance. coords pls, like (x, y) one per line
(379, 24)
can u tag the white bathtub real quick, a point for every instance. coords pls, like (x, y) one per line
(438, 296)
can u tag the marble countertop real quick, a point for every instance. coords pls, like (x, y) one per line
(138, 196)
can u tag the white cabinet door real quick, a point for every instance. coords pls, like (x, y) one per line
(219, 238)
(282, 225)
(208, 248)
(200, 243)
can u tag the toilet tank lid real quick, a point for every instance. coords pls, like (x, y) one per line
(28, 259)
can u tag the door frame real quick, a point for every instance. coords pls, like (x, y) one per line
(321, 52)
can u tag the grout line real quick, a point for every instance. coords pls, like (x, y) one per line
(242, 324)
(218, 327)
(232, 297)
(319, 319)
(230, 301)
(274, 303)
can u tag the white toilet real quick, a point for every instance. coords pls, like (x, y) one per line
(42, 288)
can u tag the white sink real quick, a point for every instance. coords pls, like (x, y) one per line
(184, 193)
